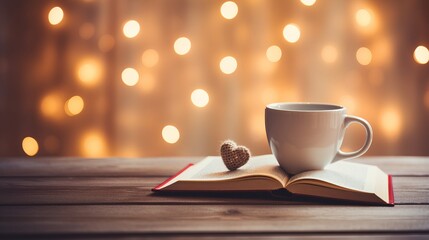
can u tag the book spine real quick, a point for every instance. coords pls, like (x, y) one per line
(161, 185)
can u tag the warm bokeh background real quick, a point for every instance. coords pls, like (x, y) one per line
(104, 78)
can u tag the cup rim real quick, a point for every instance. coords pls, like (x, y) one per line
(331, 107)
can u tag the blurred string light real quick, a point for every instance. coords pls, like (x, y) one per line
(131, 29)
(329, 54)
(150, 58)
(229, 10)
(86, 31)
(308, 2)
(51, 106)
(182, 45)
(421, 55)
(74, 105)
(391, 123)
(90, 72)
(228, 65)
(55, 16)
(147, 82)
(274, 53)
(291, 33)
(170, 134)
(30, 146)
(200, 98)
(363, 56)
(426, 99)
(93, 144)
(106, 43)
(363, 17)
(130, 76)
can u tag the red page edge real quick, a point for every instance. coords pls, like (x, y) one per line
(158, 188)
(391, 196)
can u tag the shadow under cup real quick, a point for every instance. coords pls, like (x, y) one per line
(308, 136)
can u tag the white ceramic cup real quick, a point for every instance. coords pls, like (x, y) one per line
(308, 136)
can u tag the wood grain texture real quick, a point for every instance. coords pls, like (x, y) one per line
(132, 190)
(156, 219)
(138, 167)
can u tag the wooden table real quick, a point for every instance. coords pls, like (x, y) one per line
(111, 198)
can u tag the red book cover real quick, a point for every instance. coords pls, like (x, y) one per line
(157, 188)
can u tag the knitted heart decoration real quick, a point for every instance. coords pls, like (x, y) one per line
(234, 156)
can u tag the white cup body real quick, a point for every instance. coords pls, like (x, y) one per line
(304, 136)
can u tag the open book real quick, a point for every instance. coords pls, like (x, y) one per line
(341, 180)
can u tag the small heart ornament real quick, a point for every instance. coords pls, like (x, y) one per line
(234, 156)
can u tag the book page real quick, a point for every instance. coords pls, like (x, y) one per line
(213, 169)
(342, 174)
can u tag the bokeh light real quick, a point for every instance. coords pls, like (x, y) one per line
(182, 45)
(90, 72)
(51, 106)
(170, 134)
(131, 29)
(291, 33)
(30, 146)
(363, 17)
(363, 56)
(74, 105)
(200, 98)
(87, 31)
(55, 16)
(93, 144)
(274, 53)
(421, 55)
(130, 76)
(150, 58)
(426, 99)
(106, 43)
(229, 10)
(329, 54)
(228, 65)
(147, 82)
(308, 2)
(391, 123)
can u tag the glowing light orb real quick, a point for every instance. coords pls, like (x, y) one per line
(421, 55)
(130, 76)
(200, 98)
(229, 10)
(363, 17)
(274, 53)
(106, 43)
(391, 123)
(131, 29)
(74, 105)
(329, 54)
(291, 33)
(308, 2)
(150, 58)
(228, 65)
(363, 56)
(182, 45)
(55, 16)
(90, 72)
(30, 146)
(93, 144)
(170, 134)
(51, 106)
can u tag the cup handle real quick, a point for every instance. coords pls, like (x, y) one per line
(347, 121)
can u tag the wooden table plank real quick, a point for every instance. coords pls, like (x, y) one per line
(138, 167)
(262, 219)
(132, 190)
(235, 236)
